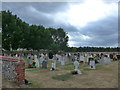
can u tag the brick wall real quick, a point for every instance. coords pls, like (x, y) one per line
(13, 68)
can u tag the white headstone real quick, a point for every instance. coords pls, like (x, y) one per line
(62, 60)
(41, 58)
(76, 65)
(102, 60)
(36, 60)
(28, 60)
(107, 60)
(54, 62)
(81, 58)
(92, 64)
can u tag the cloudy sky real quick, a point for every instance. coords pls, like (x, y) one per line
(87, 22)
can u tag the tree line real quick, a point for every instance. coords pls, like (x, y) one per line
(19, 34)
(94, 49)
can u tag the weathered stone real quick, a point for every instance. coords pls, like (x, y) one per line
(12, 68)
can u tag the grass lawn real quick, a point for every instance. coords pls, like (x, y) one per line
(63, 77)
(102, 77)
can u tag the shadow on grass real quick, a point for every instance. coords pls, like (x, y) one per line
(64, 77)
(33, 85)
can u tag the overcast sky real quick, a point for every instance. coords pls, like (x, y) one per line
(88, 22)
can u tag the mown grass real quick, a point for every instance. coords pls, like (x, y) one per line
(33, 85)
(67, 67)
(87, 69)
(39, 70)
(100, 77)
(63, 77)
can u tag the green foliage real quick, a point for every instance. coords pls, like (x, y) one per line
(94, 49)
(18, 34)
(74, 49)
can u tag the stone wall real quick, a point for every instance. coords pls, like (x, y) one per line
(0, 74)
(13, 68)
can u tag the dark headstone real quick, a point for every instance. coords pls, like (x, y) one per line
(44, 64)
(111, 56)
(90, 59)
(118, 57)
(50, 55)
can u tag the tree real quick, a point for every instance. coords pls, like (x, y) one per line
(19, 34)
(59, 39)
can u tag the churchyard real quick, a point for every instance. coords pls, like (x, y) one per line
(52, 54)
(68, 44)
(105, 76)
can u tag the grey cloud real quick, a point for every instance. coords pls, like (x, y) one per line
(68, 28)
(50, 7)
(47, 7)
(22, 11)
(103, 32)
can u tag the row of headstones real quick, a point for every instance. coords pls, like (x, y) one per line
(20, 54)
(97, 58)
(92, 59)
(66, 57)
(44, 58)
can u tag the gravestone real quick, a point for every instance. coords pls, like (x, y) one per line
(76, 66)
(102, 60)
(75, 57)
(66, 58)
(89, 58)
(50, 55)
(62, 60)
(118, 57)
(41, 58)
(59, 57)
(16, 55)
(29, 61)
(114, 58)
(96, 58)
(81, 59)
(111, 56)
(44, 64)
(92, 63)
(69, 56)
(54, 62)
(107, 60)
(36, 60)
(72, 57)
